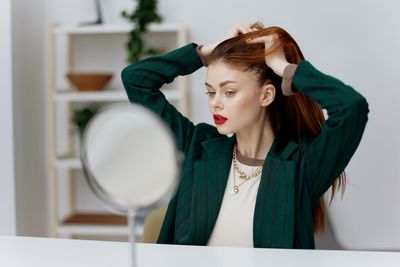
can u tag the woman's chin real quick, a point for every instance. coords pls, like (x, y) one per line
(223, 130)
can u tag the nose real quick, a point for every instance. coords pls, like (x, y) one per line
(216, 103)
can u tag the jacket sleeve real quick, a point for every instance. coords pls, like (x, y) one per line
(143, 80)
(326, 156)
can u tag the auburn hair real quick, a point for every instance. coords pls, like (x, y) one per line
(294, 117)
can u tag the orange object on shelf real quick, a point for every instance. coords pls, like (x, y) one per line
(89, 81)
(96, 218)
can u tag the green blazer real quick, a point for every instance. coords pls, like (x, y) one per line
(295, 175)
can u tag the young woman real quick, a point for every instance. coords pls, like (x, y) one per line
(257, 177)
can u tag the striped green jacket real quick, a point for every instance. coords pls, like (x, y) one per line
(295, 175)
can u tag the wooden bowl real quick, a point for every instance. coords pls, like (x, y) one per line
(89, 81)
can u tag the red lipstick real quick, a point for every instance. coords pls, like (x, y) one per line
(219, 119)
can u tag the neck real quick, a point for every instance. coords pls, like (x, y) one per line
(256, 141)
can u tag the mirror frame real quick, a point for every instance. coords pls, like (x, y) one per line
(113, 203)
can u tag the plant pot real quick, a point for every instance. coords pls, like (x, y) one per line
(89, 81)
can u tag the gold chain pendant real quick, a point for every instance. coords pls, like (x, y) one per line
(242, 175)
(235, 190)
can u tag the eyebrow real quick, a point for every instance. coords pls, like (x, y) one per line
(221, 84)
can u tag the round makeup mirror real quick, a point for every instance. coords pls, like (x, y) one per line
(130, 160)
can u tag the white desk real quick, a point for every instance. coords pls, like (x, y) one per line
(46, 252)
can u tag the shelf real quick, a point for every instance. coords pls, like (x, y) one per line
(95, 219)
(68, 163)
(105, 96)
(108, 29)
(96, 224)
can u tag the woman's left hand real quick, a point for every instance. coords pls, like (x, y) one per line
(236, 30)
(275, 60)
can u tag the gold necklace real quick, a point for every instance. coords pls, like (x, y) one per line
(242, 174)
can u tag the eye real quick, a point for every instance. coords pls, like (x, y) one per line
(229, 93)
(209, 93)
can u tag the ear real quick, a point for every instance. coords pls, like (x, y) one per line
(267, 94)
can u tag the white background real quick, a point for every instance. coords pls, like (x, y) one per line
(356, 41)
(7, 188)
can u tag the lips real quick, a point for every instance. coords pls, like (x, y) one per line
(219, 119)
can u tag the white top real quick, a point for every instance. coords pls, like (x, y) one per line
(49, 252)
(234, 225)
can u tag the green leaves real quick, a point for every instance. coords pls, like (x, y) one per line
(81, 117)
(144, 14)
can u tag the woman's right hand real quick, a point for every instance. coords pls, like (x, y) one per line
(277, 59)
(236, 30)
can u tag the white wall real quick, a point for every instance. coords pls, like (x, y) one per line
(29, 89)
(356, 41)
(7, 187)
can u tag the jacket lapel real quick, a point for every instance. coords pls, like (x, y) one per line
(209, 182)
(273, 224)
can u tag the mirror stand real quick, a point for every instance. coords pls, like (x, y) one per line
(132, 239)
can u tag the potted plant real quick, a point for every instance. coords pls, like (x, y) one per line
(82, 116)
(144, 14)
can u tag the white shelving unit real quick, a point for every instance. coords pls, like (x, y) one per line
(73, 96)
(107, 29)
(92, 48)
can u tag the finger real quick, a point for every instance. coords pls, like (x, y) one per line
(236, 30)
(242, 29)
(268, 40)
(256, 40)
(252, 28)
(265, 39)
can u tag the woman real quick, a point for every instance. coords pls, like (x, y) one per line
(263, 185)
